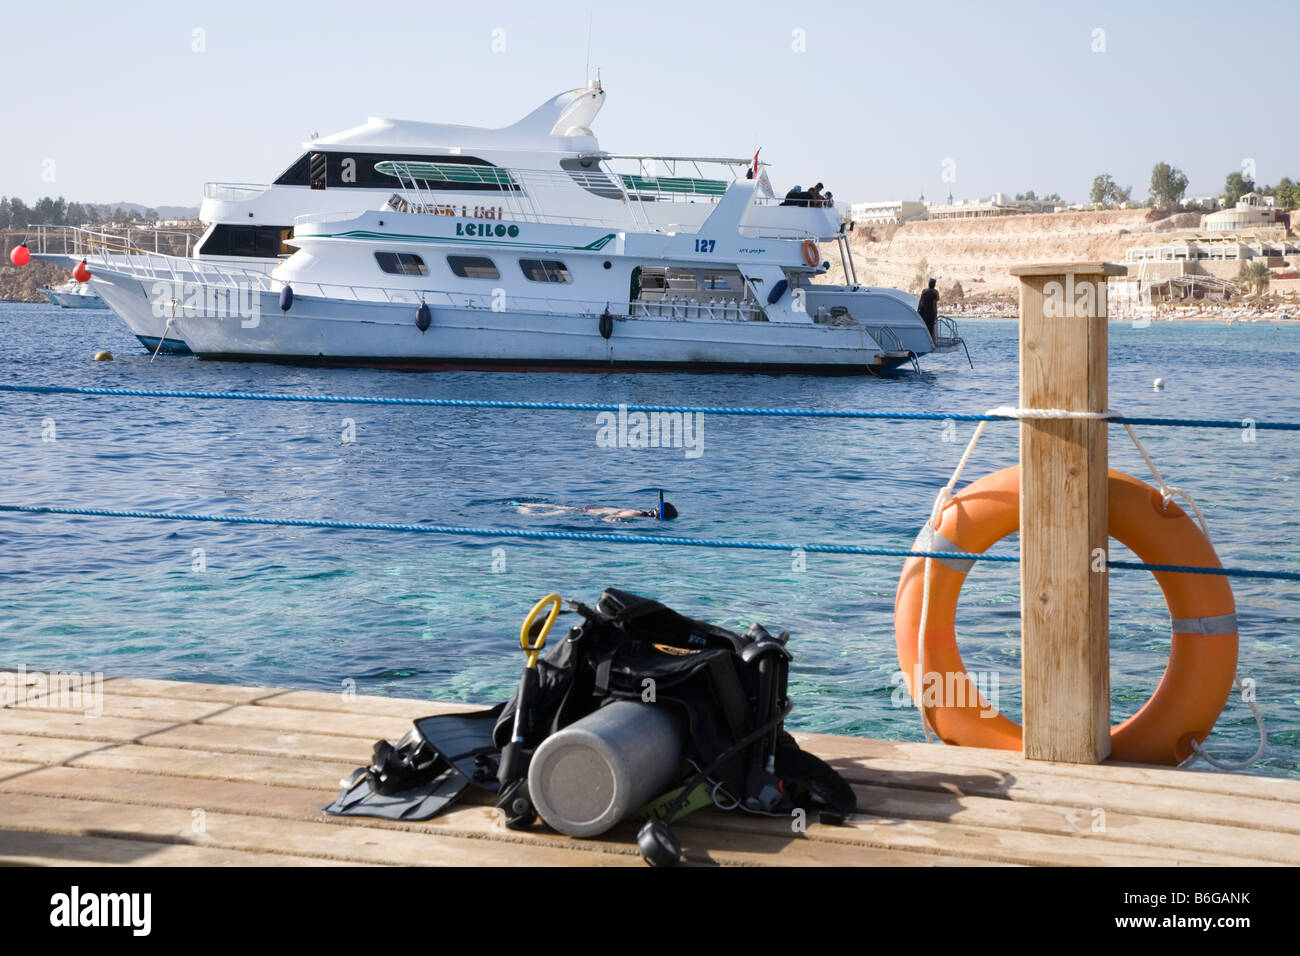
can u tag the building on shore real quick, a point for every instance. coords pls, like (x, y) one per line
(995, 205)
(1251, 210)
(897, 211)
(1218, 254)
(1192, 265)
(889, 213)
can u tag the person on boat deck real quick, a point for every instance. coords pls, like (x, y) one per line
(795, 197)
(815, 196)
(828, 199)
(604, 513)
(928, 307)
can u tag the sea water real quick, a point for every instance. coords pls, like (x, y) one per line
(438, 617)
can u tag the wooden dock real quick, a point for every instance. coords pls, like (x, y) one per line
(202, 774)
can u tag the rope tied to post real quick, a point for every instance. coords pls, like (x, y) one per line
(1167, 493)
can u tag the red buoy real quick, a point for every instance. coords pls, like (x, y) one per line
(20, 255)
(81, 273)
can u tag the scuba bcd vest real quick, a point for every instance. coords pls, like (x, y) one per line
(728, 690)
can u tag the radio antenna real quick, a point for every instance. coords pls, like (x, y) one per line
(586, 69)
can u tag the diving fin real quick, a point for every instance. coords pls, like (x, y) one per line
(359, 798)
(465, 742)
(433, 765)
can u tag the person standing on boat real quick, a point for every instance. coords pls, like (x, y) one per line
(928, 307)
(815, 196)
(795, 197)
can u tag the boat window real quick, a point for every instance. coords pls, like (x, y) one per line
(260, 242)
(295, 175)
(473, 267)
(545, 270)
(401, 263)
(317, 170)
(335, 169)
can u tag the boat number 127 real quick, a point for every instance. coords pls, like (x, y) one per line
(704, 245)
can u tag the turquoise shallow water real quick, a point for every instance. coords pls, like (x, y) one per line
(418, 616)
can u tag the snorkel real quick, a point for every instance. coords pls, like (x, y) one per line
(659, 512)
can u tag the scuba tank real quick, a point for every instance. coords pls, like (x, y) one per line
(593, 773)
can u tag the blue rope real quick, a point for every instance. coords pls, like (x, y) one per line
(1190, 569)
(618, 538)
(510, 533)
(603, 407)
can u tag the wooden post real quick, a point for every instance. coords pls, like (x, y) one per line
(1064, 598)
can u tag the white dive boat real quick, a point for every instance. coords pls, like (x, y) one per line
(521, 247)
(636, 271)
(73, 295)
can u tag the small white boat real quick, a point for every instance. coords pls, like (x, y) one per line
(73, 295)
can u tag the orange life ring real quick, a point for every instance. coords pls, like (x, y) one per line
(811, 254)
(1202, 654)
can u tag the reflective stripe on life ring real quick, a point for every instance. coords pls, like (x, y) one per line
(811, 254)
(1202, 653)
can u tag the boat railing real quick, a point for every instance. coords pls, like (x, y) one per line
(948, 339)
(234, 192)
(83, 242)
(890, 341)
(113, 254)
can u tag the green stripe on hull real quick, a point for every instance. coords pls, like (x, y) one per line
(593, 246)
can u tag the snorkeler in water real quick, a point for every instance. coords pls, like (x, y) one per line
(663, 512)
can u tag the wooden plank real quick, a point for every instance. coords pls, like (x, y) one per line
(266, 717)
(1064, 604)
(271, 771)
(33, 848)
(985, 844)
(1118, 826)
(1005, 761)
(21, 748)
(185, 690)
(369, 705)
(258, 834)
(1273, 816)
(52, 723)
(168, 710)
(255, 740)
(149, 687)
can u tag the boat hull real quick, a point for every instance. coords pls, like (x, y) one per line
(332, 332)
(130, 299)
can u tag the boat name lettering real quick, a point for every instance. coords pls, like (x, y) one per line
(486, 229)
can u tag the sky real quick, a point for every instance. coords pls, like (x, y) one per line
(144, 101)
